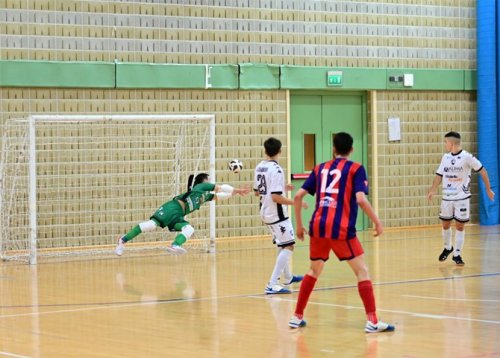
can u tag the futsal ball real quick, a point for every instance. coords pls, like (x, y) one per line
(235, 165)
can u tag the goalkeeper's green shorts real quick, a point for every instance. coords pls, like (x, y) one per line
(170, 215)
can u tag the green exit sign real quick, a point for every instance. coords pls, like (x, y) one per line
(334, 78)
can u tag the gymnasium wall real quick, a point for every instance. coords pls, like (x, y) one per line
(406, 168)
(244, 119)
(423, 34)
(406, 33)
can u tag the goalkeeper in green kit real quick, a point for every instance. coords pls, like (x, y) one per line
(171, 214)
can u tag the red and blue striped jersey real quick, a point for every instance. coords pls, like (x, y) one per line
(335, 184)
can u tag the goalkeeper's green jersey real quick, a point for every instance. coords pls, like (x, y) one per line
(200, 194)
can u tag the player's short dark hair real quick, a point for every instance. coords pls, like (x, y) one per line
(452, 135)
(193, 181)
(342, 142)
(272, 146)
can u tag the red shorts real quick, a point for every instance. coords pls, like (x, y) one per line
(319, 249)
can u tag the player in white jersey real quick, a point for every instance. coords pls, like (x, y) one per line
(454, 173)
(269, 185)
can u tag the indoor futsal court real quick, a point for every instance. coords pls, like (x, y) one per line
(214, 306)
(160, 161)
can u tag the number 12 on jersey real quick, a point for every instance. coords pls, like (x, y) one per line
(332, 189)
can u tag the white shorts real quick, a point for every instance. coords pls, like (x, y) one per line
(458, 210)
(282, 233)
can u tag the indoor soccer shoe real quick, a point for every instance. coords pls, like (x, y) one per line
(296, 322)
(176, 250)
(379, 327)
(445, 253)
(458, 260)
(120, 247)
(276, 290)
(294, 280)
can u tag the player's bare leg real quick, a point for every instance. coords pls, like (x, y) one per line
(365, 289)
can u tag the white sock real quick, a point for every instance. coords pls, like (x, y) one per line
(447, 239)
(287, 271)
(459, 242)
(281, 261)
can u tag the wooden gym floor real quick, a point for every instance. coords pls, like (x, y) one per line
(213, 306)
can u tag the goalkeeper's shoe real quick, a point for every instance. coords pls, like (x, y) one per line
(176, 250)
(120, 246)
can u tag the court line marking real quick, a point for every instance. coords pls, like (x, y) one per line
(13, 355)
(125, 304)
(450, 298)
(104, 305)
(417, 280)
(414, 314)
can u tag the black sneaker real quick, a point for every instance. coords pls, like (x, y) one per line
(458, 260)
(444, 255)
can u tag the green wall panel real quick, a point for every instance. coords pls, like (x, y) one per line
(470, 78)
(302, 77)
(428, 79)
(259, 76)
(223, 76)
(57, 74)
(142, 75)
(247, 76)
(149, 75)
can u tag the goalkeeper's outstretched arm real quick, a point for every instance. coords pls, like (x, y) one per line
(225, 191)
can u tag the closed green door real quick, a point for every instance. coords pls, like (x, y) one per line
(314, 120)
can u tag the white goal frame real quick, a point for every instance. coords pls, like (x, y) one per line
(32, 163)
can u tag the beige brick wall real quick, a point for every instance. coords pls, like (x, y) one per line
(354, 33)
(244, 119)
(405, 33)
(407, 167)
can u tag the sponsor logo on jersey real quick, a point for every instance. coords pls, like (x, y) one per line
(328, 202)
(453, 169)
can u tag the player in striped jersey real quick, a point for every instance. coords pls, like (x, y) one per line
(340, 185)
(269, 185)
(454, 173)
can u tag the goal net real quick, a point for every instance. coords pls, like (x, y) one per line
(72, 184)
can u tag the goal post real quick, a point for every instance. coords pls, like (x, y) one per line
(72, 184)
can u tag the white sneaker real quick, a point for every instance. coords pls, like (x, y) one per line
(276, 289)
(120, 247)
(176, 250)
(379, 327)
(296, 322)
